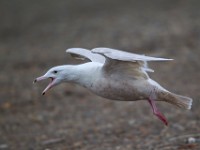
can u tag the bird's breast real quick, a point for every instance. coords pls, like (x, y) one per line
(117, 89)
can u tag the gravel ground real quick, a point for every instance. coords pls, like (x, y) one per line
(33, 38)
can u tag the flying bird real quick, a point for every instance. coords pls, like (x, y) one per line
(115, 75)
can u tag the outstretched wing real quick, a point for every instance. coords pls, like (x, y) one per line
(125, 56)
(126, 63)
(81, 53)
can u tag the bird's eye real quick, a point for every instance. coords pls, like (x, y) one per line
(55, 71)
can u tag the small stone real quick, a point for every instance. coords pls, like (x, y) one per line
(131, 122)
(191, 140)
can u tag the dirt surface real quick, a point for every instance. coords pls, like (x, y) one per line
(33, 38)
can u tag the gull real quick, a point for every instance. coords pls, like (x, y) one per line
(115, 75)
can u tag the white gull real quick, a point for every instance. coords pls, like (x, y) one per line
(115, 75)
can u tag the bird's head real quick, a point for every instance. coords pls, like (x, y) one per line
(55, 74)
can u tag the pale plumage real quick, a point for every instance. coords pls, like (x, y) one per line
(116, 75)
(82, 53)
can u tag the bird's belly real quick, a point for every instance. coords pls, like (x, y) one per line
(118, 90)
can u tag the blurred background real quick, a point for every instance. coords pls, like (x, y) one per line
(34, 36)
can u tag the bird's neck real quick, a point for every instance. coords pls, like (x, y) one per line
(83, 74)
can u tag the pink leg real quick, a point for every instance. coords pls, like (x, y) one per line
(157, 112)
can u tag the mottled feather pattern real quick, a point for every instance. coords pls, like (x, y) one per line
(125, 68)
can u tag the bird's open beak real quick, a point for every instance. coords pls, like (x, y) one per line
(50, 85)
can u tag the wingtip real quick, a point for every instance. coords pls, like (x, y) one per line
(170, 59)
(68, 50)
(164, 59)
(76, 49)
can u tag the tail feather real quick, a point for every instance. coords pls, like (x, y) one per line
(178, 100)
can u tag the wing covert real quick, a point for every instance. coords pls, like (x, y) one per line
(125, 63)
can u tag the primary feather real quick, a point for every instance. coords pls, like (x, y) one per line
(125, 56)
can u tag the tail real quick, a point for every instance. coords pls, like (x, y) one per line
(178, 100)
